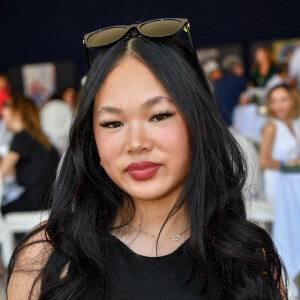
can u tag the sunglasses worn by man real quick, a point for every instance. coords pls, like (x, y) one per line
(152, 29)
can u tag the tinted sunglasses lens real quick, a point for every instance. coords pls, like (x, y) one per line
(161, 28)
(105, 37)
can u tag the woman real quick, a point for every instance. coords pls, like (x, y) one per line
(154, 208)
(31, 158)
(280, 148)
(280, 144)
(263, 68)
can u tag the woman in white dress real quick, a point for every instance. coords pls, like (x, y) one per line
(280, 147)
(280, 143)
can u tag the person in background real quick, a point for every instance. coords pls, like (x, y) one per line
(31, 157)
(280, 148)
(232, 64)
(4, 83)
(264, 67)
(69, 95)
(229, 86)
(5, 135)
(280, 143)
(282, 77)
(213, 70)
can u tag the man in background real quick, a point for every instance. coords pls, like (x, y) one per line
(229, 86)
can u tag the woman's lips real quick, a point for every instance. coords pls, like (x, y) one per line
(142, 170)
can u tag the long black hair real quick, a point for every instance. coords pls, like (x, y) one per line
(240, 254)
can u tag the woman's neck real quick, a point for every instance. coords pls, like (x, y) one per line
(149, 220)
(17, 125)
(287, 121)
(151, 216)
(264, 67)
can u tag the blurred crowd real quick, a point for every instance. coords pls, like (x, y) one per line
(262, 107)
(32, 140)
(262, 110)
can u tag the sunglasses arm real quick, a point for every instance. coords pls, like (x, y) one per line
(202, 74)
(187, 28)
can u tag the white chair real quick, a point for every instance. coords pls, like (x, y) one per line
(259, 209)
(16, 222)
(253, 186)
(248, 122)
(260, 212)
(56, 118)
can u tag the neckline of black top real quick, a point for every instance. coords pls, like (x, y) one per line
(177, 251)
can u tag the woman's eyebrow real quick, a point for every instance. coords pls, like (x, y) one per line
(155, 100)
(149, 103)
(109, 109)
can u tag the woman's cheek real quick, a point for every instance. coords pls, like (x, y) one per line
(108, 147)
(175, 136)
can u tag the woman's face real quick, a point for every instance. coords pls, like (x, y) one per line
(260, 56)
(141, 137)
(69, 96)
(281, 104)
(8, 115)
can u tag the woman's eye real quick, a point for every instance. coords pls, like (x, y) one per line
(114, 124)
(161, 117)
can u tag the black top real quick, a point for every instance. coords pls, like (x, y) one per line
(261, 80)
(153, 278)
(227, 90)
(36, 163)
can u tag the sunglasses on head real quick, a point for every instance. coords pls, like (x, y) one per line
(152, 29)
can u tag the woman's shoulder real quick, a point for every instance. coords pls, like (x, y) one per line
(269, 132)
(27, 262)
(22, 140)
(36, 248)
(277, 125)
(270, 126)
(22, 134)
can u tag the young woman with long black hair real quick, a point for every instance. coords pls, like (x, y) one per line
(148, 200)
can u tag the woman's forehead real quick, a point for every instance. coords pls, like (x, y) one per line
(279, 92)
(130, 80)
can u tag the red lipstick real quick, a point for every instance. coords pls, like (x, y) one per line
(142, 170)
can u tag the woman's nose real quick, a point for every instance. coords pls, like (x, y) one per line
(138, 139)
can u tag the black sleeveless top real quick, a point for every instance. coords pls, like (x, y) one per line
(153, 278)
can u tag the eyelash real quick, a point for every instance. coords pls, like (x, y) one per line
(111, 124)
(165, 115)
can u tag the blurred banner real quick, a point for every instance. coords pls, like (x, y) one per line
(283, 49)
(39, 81)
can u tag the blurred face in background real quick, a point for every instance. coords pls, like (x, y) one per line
(69, 96)
(215, 75)
(261, 56)
(4, 84)
(281, 104)
(8, 115)
(238, 70)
